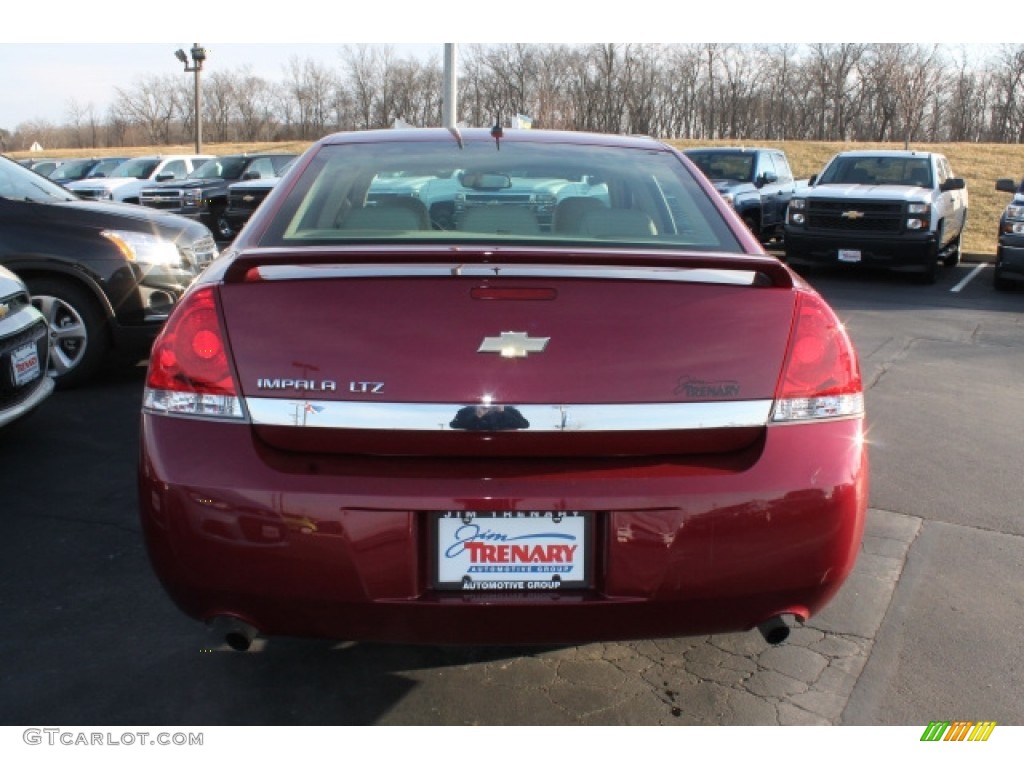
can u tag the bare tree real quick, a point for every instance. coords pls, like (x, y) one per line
(833, 66)
(360, 62)
(151, 104)
(821, 91)
(968, 103)
(312, 87)
(219, 104)
(1007, 123)
(254, 101)
(921, 78)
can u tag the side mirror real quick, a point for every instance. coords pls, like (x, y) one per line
(1006, 185)
(164, 176)
(950, 185)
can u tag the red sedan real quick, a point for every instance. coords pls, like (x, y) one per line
(497, 387)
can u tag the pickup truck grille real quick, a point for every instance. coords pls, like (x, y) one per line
(160, 198)
(247, 200)
(854, 216)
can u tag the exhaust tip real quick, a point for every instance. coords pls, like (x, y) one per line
(775, 630)
(237, 634)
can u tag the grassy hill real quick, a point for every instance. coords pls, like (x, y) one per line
(979, 164)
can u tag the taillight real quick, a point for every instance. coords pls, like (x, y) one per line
(189, 372)
(821, 377)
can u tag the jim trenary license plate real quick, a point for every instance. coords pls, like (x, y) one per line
(513, 551)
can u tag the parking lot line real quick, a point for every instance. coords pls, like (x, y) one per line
(974, 273)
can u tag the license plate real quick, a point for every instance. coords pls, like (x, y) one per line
(849, 255)
(25, 364)
(494, 551)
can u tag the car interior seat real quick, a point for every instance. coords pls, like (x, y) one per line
(617, 223)
(500, 220)
(568, 214)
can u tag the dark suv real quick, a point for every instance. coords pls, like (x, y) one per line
(105, 275)
(204, 194)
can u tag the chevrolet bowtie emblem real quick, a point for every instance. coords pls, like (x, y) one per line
(853, 214)
(513, 344)
(248, 198)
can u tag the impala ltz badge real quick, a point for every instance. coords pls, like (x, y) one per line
(513, 344)
(309, 385)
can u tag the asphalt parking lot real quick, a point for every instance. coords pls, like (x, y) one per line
(927, 628)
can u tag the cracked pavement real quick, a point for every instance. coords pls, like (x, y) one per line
(717, 680)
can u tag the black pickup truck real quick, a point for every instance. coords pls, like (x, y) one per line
(204, 194)
(756, 181)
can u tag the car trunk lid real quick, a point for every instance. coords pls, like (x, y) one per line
(508, 353)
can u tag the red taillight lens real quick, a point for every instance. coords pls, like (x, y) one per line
(190, 355)
(821, 377)
(189, 373)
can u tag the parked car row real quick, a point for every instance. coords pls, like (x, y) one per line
(196, 185)
(98, 270)
(902, 210)
(103, 274)
(203, 194)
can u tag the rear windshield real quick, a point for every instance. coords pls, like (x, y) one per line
(439, 191)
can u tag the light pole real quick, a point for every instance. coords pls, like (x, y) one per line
(198, 57)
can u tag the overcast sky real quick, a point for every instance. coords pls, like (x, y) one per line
(47, 61)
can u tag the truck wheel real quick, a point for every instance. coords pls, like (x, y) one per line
(753, 224)
(952, 258)
(79, 338)
(224, 229)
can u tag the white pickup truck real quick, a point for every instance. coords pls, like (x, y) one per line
(897, 209)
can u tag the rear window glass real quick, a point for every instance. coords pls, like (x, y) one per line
(530, 192)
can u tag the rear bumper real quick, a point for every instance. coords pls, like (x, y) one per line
(42, 390)
(340, 547)
(906, 251)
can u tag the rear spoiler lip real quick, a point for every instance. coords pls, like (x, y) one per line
(770, 271)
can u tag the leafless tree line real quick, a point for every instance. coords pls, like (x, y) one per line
(903, 92)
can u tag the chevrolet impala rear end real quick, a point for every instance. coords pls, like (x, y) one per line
(595, 416)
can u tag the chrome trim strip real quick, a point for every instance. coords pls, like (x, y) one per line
(22, 318)
(663, 274)
(437, 417)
